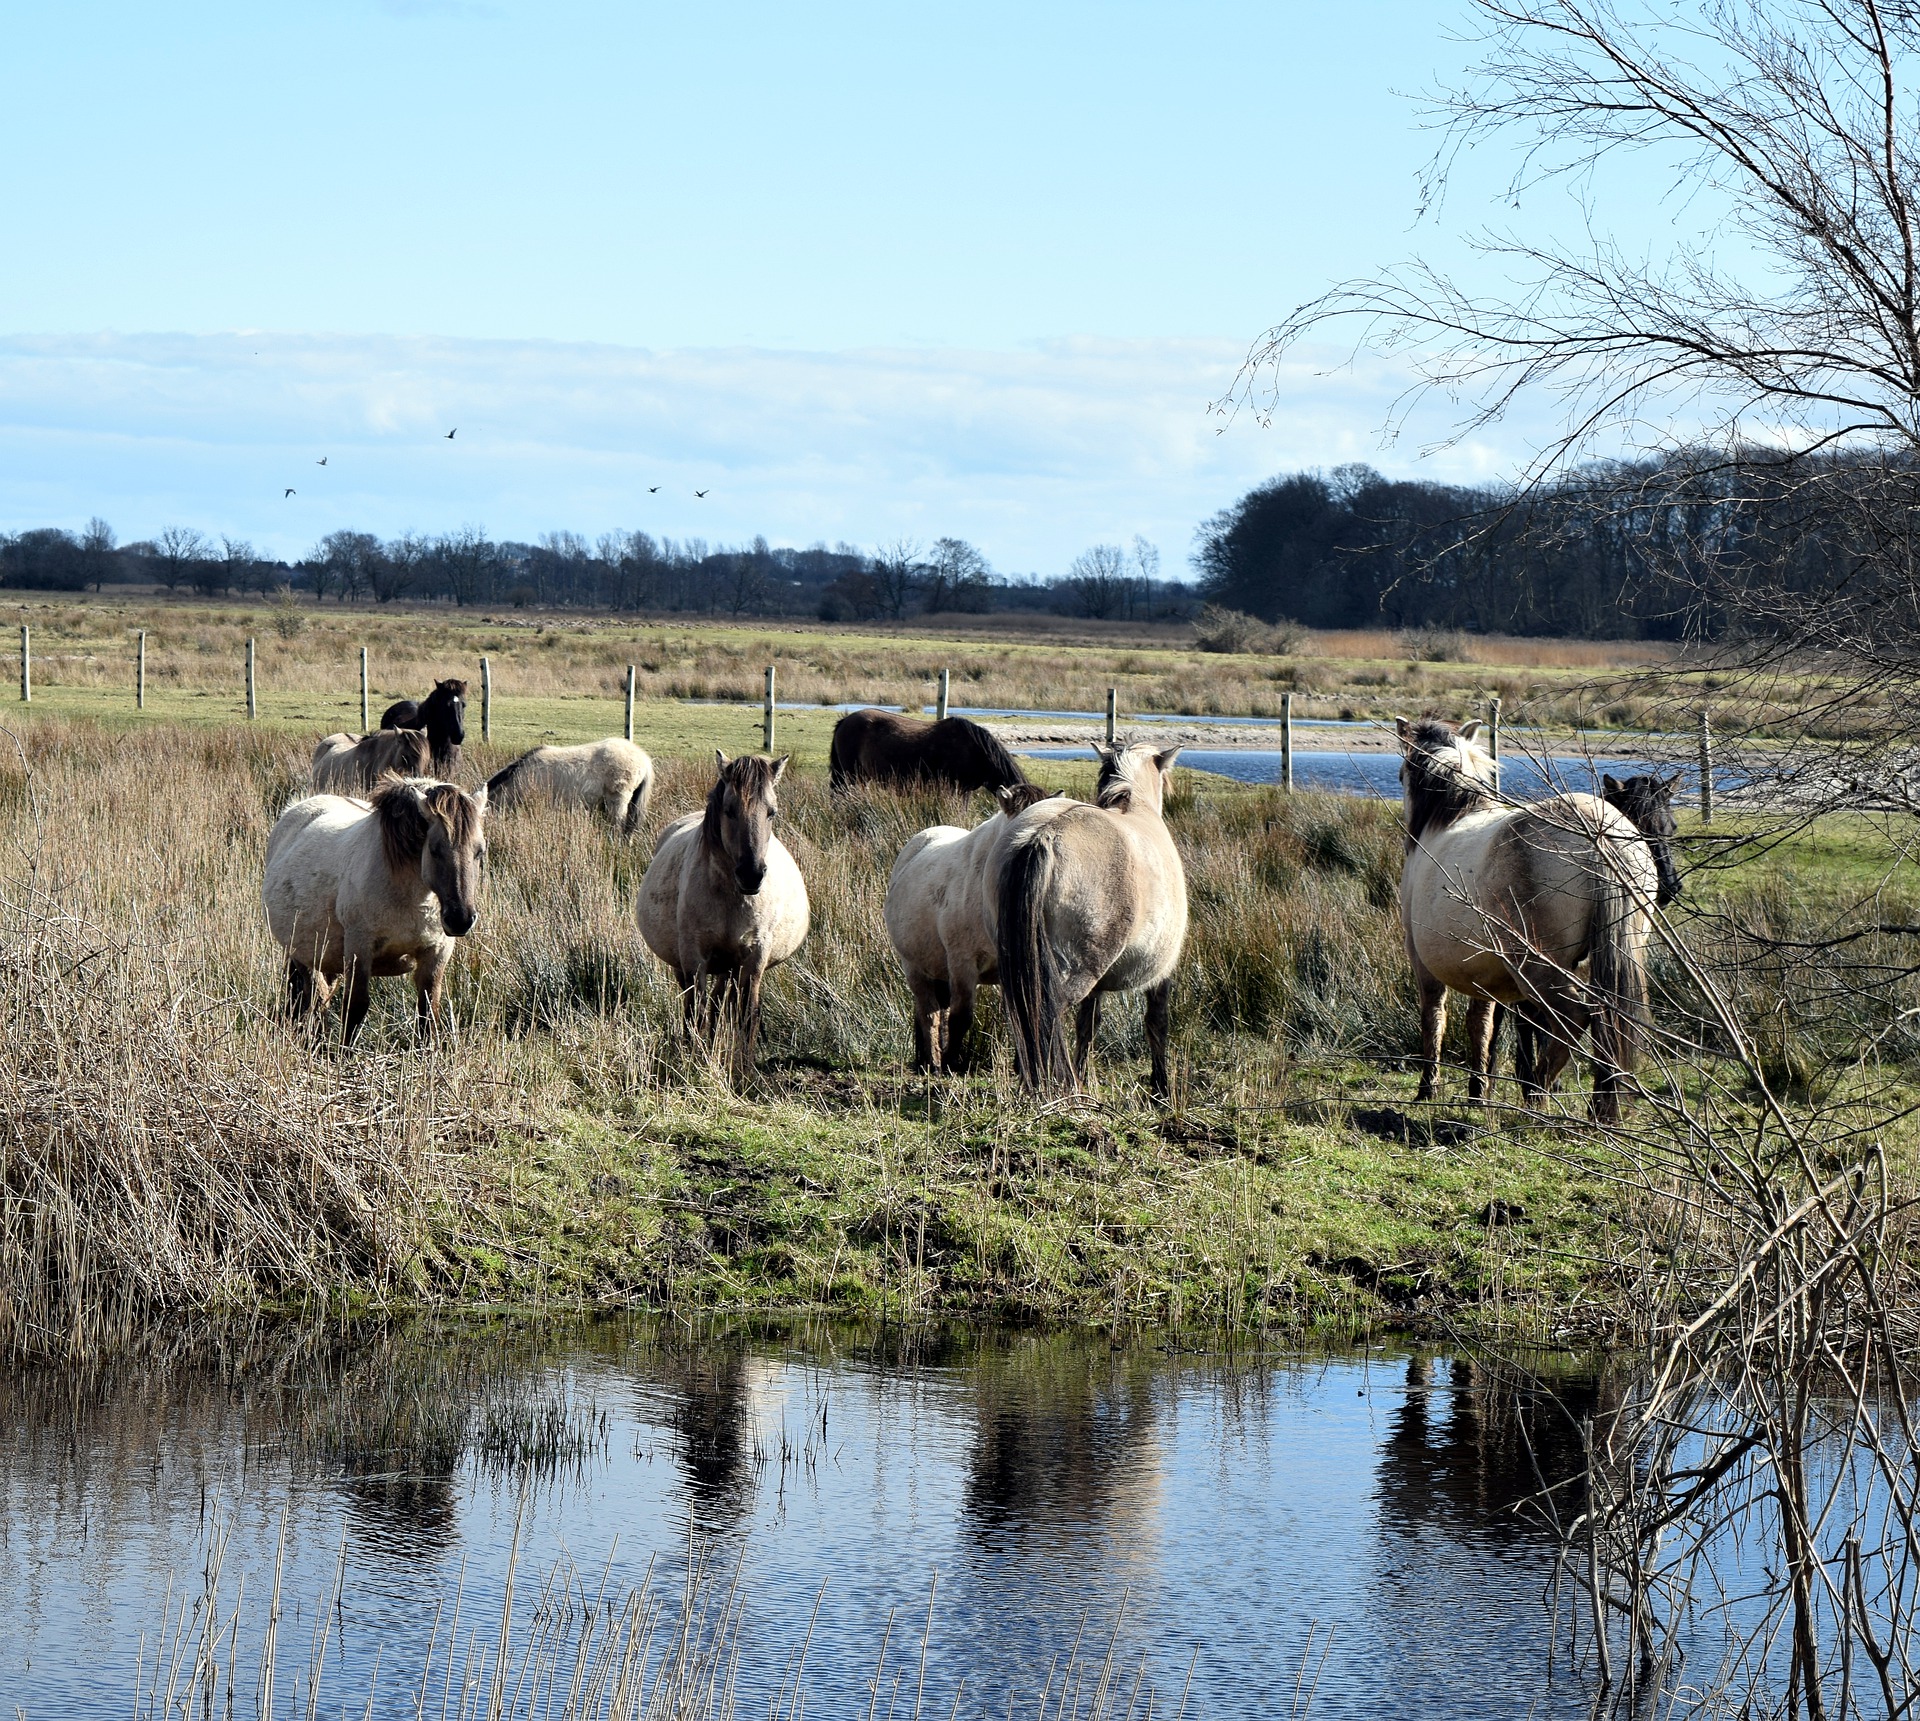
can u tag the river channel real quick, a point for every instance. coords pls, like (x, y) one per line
(1345, 1534)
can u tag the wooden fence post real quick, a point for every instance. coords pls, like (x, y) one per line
(629, 702)
(486, 699)
(941, 710)
(366, 720)
(140, 673)
(1113, 714)
(26, 664)
(768, 721)
(1706, 767)
(253, 707)
(1286, 740)
(1493, 739)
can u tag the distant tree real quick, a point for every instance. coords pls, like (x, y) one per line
(353, 558)
(399, 567)
(178, 553)
(853, 596)
(957, 577)
(96, 552)
(749, 579)
(896, 570)
(1096, 585)
(468, 563)
(1146, 564)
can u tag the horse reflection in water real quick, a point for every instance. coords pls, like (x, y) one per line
(709, 1412)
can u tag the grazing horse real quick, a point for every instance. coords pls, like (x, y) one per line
(357, 889)
(888, 747)
(1504, 904)
(722, 901)
(937, 917)
(443, 714)
(1088, 900)
(351, 764)
(612, 775)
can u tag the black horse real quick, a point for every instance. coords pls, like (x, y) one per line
(887, 747)
(1648, 801)
(443, 714)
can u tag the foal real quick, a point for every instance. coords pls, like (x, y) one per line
(723, 902)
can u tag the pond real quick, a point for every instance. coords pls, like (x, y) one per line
(1352, 1528)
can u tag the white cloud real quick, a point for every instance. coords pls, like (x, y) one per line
(1032, 452)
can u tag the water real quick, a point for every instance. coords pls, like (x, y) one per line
(1378, 774)
(1244, 1510)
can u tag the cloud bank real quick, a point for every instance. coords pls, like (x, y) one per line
(1033, 453)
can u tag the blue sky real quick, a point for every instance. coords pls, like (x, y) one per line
(860, 271)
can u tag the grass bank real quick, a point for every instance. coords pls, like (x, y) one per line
(167, 1143)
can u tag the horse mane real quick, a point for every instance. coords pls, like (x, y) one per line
(1115, 788)
(502, 781)
(998, 760)
(1642, 798)
(413, 752)
(1438, 792)
(751, 777)
(405, 811)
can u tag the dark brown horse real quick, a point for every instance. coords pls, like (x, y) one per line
(443, 714)
(889, 747)
(1648, 801)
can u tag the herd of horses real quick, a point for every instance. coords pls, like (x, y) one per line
(1541, 909)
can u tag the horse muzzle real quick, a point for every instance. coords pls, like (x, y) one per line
(459, 921)
(749, 881)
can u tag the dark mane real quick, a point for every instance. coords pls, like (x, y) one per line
(752, 777)
(1115, 788)
(1437, 791)
(502, 783)
(997, 762)
(404, 816)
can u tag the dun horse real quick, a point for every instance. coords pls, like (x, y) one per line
(1090, 900)
(1505, 903)
(723, 902)
(351, 764)
(937, 917)
(356, 889)
(443, 714)
(612, 775)
(888, 747)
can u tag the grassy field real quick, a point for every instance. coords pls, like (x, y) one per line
(169, 1143)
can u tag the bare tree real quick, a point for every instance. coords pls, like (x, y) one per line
(957, 577)
(177, 555)
(236, 563)
(897, 571)
(1146, 562)
(1097, 582)
(398, 569)
(96, 551)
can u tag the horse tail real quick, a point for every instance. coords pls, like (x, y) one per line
(842, 755)
(1030, 981)
(504, 783)
(637, 806)
(1617, 974)
(1004, 768)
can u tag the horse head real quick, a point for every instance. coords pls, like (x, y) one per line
(438, 829)
(741, 810)
(1648, 801)
(1016, 798)
(1443, 770)
(451, 697)
(1134, 776)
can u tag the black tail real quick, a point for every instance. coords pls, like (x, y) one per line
(1617, 973)
(1029, 970)
(500, 786)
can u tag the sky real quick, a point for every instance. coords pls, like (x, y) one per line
(859, 272)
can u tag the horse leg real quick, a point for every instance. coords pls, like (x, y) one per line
(961, 991)
(1159, 1021)
(746, 984)
(300, 990)
(358, 981)
(1086, 1023)
(1482, 1018)
(428, 975)
(926, 1021)
(1433, 1028)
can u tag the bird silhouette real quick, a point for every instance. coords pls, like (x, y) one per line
(653, 489)
(451, 434)
(289, 493)
(699, 492)
(321, 461)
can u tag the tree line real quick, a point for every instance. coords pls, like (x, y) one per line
(631, 571)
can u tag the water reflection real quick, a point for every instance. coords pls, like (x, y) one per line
(1241, 1507)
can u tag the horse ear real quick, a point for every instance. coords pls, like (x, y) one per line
(1610, 784)
(1402, 727)
(780, 766)
(720, 759)
(1670, 782)
(1470, 730)
(480, 799)
(1165, 759)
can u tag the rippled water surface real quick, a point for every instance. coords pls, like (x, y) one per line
(1358, 1517)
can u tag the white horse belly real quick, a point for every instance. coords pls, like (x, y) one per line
(920, 893)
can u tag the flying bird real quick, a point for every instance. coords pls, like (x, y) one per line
(699, 492)
(653, 489)
(321, 461)
(451, 434)
(289, 493)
